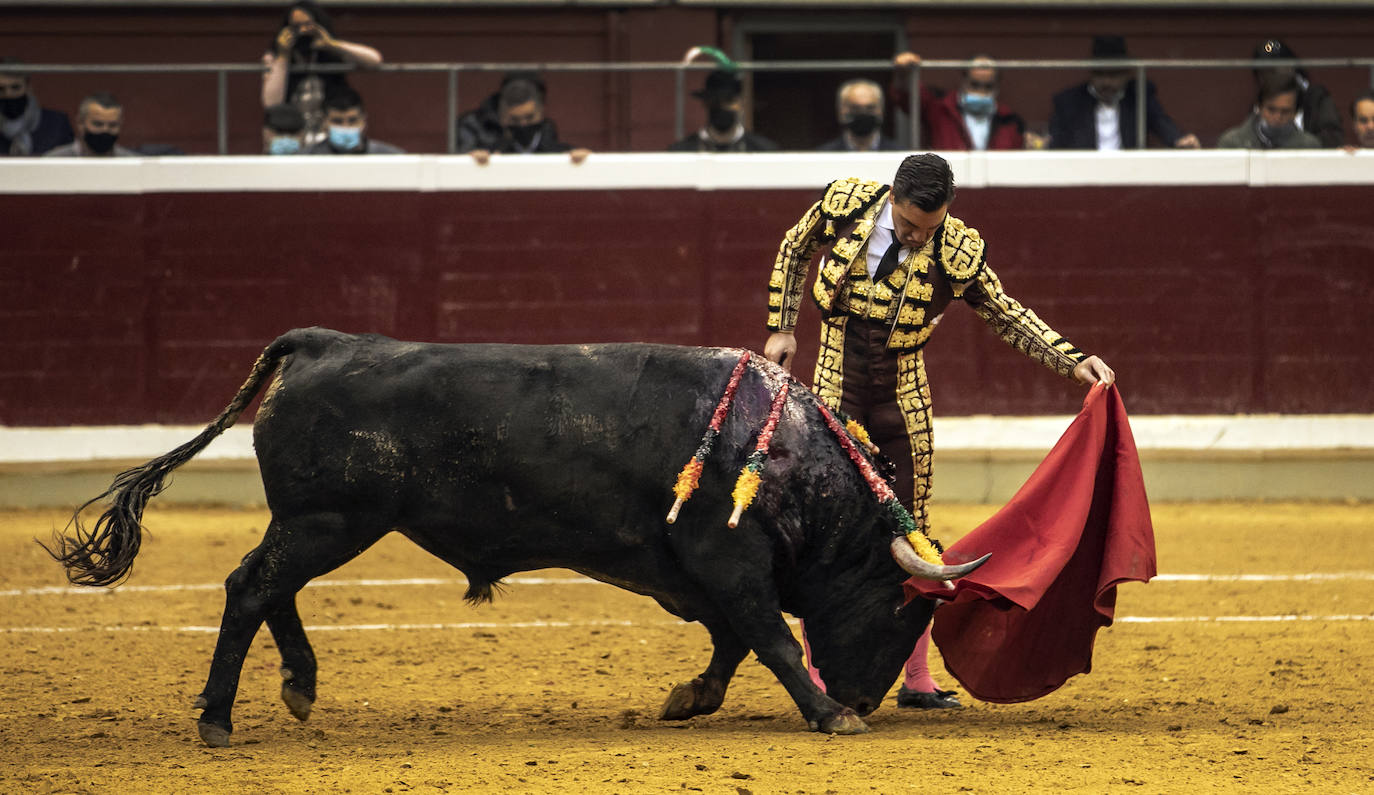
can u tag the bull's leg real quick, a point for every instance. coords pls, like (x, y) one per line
(746, 593)
(704, 694)
(764, 628)
(297, 659)
(292, 553)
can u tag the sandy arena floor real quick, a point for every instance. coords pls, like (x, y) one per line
(1261, 685)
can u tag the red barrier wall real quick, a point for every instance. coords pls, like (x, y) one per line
(123, 309)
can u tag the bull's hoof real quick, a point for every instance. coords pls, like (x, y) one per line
(299, 703)
(690, 699)
(843, 722)
(213, 735)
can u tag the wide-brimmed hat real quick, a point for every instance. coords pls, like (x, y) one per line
(1109, 47)
(720, 85)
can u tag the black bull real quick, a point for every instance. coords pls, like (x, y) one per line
(501, 458)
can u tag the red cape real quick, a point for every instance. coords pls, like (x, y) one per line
(1020, 626)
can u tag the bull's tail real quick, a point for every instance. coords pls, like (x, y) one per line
(104, 554)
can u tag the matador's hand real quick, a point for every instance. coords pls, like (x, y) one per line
(780, 348)
(1093, 370)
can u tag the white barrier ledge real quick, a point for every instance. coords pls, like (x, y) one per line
(1269, 435)
(609, 171)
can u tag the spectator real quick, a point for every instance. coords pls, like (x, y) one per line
(859, 105)
(1101, 114)
(971, 118)
(724, 130)
(1274, 124)
(27, 128)
(346, 129)
(512, 122)
(1362, 114)
(1317, 112)
(480, 128)
(282, 129)
(306, 40)
(99, 119)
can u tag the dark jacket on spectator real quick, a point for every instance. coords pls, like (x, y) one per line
(749, 142)
(53, 131)
(481, 129)
(1073, 121)
(1320, 116)
(839, 144)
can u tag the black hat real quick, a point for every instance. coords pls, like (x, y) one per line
(1109, 47)
(720, 86)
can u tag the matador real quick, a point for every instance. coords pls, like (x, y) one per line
(895, 260)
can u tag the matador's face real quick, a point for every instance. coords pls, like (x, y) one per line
(914, 226)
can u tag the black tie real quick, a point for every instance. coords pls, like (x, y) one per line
(889, 261)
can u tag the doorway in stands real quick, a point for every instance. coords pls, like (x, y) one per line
(797, 108)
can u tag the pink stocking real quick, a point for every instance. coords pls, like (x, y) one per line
(810, 669)
(917, 675)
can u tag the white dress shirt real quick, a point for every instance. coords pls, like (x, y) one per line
(1109, 127)
(979, 130)
(883, 233)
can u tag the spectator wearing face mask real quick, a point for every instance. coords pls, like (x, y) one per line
(99, 120)
(859, 105)
(282, 129)
(512, 122)
(970, 119)
(1317, 112)
(306, 40)
(724, 130)
(1274, 124)
(27, 128)
(346, 129)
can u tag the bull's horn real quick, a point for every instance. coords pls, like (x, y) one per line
(916, 566)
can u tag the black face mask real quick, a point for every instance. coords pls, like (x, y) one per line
(13, 107)
(722, 119)
(100, 143)
(524, 133)
(862, 124)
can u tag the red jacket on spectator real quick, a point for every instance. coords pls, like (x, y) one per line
(942, 124)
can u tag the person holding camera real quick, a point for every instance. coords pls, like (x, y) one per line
(306, 40)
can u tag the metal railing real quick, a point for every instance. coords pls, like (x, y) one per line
(1139, 66)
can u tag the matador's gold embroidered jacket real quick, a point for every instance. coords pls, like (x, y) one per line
(952, 265)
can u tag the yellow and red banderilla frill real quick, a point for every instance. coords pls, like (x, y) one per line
(747, 486)
(690, 475)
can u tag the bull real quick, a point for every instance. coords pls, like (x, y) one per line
(503, 458)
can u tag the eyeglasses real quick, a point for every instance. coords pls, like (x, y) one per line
(978, 85)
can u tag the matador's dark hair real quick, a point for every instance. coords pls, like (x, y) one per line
(924, 180)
